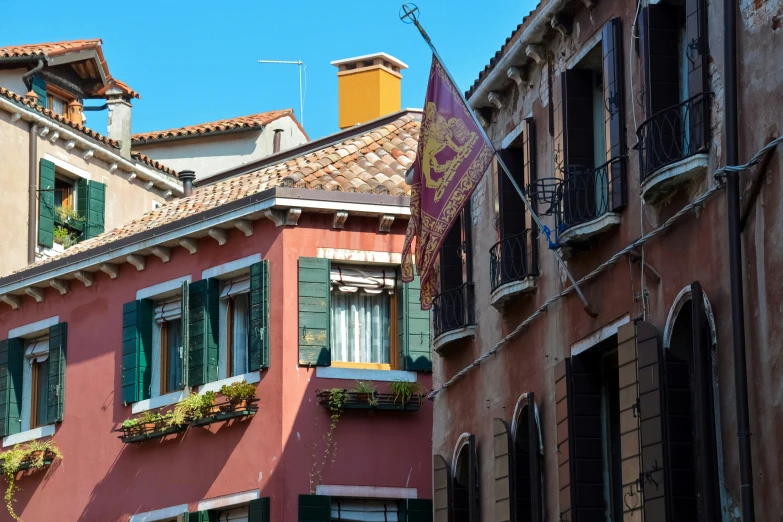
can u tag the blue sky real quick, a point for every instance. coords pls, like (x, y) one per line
(196, 61)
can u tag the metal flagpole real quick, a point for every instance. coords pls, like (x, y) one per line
(409, 14)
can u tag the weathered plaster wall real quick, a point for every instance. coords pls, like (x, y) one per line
(694, 250)
(212, 154)
(125, 200)
(102, 479)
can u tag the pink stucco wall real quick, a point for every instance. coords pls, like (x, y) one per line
(102, 479)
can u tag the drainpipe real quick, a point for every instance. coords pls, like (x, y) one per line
(735, 263)
(32, 195)
(27, 77)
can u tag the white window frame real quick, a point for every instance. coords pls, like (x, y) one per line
(73, 170)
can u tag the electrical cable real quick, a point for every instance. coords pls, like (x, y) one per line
(692, 206)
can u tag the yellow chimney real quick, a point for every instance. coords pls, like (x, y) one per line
(368, 87)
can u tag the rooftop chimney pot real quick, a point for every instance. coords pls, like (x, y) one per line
(187, 177)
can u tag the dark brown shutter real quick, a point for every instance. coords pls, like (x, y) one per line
(451, 258)
(706, 445)
(614, 97)
(467, 244)
(441, 489)
(474, 498)
(578, 114)
(659, 36)
(496, 197)
(651, 402)
(586, 443)
(562, 376)
(696, 56)
(558, 126)
(504, 472)
(529, 176)
(536, 500)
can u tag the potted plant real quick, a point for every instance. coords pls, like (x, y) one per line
(147, 422)
(365, 392)
(194, 407)
(35, 455)
(404, 391)
(238, 394)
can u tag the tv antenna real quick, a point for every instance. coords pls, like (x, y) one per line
(301, 66)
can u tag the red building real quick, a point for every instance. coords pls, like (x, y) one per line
(284, 274)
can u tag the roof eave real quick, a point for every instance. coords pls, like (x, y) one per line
(142, 142)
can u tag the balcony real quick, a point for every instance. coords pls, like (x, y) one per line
(453, 316)
(673, 147)
(513, 267)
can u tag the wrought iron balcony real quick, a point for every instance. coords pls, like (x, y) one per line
(585, 194)
(673, 134)
(453, 309)
(512, 259)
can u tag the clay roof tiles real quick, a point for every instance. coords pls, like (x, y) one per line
(242, 122)
(305, 172)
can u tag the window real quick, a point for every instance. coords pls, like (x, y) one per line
(453, 306)
(464, 495)
(365, 510)
(33, 369)
(362, 316)
(57, 104)
(589, 133)
(235, 300)
(168, 320)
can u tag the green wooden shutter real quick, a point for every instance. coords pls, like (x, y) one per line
(258, 342)
(419, 510)
(39, 88)
(203, 331)
(46, 203)
(137, 317)
(314, 298)
(91, 205)
(58, 340)
(184, 307)
(258, 510)
(315, 508)
(204, 516)
(11, 367)
(413, 329)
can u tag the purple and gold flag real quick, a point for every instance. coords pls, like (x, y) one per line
(452, 157)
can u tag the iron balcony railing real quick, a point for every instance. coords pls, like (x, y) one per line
(673, 134)
(512, 259)
(453, 309)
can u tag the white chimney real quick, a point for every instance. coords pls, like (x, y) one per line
(119, 120)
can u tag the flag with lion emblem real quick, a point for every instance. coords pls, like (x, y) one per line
(451, 158)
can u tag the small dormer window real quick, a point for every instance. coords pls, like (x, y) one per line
(57, 104)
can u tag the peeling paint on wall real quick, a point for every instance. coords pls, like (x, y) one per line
(758, 14)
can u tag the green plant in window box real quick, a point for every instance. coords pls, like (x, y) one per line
(63, 236)
(237, 394)
(365, 391)
(148, 421)
(34, 455)
(335, 402)
(194, 407)
(404, 391)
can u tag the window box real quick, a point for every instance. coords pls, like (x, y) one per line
(147, 431)
(27, 463)
(227, 410)
(356, 401)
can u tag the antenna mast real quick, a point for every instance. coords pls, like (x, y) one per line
(300, 64)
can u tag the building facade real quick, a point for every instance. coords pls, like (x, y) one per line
(610, 115)
(284, 277)
(211, 148)
(64, 183)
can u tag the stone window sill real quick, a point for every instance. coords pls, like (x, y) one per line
(506, 292)
(450, 337)
(661, 182)
(27, 436)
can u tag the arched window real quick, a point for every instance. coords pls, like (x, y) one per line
(464, 482)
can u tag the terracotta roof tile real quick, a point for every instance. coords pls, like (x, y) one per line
(242, 122)
(362, 175)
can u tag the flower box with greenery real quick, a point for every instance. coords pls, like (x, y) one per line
(402, 396)
(34, 456)
(239, 401)
(150, 425)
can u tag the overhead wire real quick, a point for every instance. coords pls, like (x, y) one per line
(692, 206)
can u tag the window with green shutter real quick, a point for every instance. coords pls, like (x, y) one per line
(314, 297)
(137, 317)
(46, 203)
(258, 349)
(203, 516)
(91, 206)
(11, 368)
(203, 331)
(413, 329)
(418, 510)
(259, 510)
(39, 88)
(315, 508)
(58, 340)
